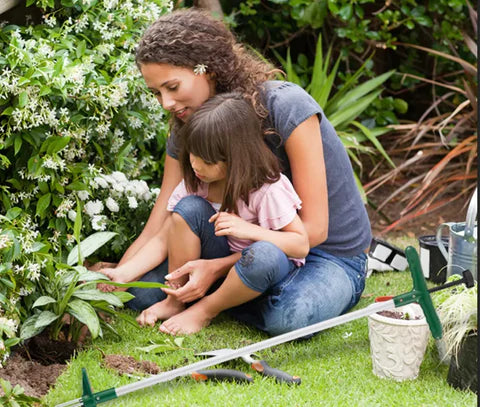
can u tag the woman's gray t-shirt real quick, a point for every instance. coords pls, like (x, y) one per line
(349, 232)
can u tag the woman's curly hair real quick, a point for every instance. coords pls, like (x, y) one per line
(189, 37)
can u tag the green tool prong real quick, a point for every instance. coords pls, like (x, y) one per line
(420, 294)
(91, 399)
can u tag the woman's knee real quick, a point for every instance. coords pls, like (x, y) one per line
(262, 265)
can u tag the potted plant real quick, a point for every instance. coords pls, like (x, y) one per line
(398, 340)
(457, 311)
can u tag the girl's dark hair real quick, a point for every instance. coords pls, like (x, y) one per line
(188, 37)
(226, 128)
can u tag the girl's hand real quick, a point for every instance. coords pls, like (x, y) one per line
(200, 279)
(229, 224)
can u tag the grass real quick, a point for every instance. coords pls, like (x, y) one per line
(335, 367)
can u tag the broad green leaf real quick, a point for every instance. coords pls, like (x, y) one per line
(57, 144)
(96, 295)
(123, 296)
(44, 300)
(43, 204)
(359, 91)
(89, 245)
(85, 313)
(88, 275)
(342, 117)
(36, 246)
(45, 318)
(22, 99)
(18, 144)
(138, 284)
(13, 213)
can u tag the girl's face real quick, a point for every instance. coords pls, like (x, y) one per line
(178, 89)
(206, 172)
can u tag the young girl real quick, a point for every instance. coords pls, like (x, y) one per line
(226, 165)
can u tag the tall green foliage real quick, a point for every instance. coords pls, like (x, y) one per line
(345, 105)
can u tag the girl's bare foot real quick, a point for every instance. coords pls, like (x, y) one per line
(160, 311)
(190, 321)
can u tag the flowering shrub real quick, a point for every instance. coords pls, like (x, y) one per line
(23, 257)
(116, 204)
(73, 106)
(72, 103)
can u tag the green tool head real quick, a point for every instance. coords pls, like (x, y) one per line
(420, 293)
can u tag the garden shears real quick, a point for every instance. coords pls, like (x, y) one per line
(261, 366)
(419, 294)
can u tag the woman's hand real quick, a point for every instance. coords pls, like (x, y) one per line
(201, 277)
(229, 224)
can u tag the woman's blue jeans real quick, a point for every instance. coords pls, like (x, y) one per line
(292, 297)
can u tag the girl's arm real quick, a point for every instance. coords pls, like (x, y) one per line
(292, 239)
(305, 154)
(172, 175)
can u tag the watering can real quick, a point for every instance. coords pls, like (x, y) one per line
(462, 244)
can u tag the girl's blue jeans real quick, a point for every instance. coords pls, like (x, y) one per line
(292, 297)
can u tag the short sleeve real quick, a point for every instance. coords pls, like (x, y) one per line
(278, 206)
(289, 105)
(178, 193)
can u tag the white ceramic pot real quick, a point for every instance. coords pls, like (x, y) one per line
(397, 346)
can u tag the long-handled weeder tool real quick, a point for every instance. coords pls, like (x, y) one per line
(419, 294)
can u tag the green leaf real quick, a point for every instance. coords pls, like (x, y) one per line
(45, 318)
(13, 213)
(89, 245)
(85, 313)
(138, 284)
(57, 144)
(45, 90)
(43, 203)
(123, 296)
(97, 295)
(374, 141)
(18, 144)
(44, 300)
(22, 99)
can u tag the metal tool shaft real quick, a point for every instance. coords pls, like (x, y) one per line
(246, 350)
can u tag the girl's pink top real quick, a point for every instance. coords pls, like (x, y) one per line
(273, 206)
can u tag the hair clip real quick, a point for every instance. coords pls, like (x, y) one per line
(200, 69)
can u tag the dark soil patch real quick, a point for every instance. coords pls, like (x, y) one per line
(128, 365)
(397, 315)
(35, 378)
(36, 365)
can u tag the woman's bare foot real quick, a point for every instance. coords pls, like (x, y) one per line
(190, 321)
(160, 311)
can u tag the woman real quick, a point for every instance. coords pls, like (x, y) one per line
(185, 58)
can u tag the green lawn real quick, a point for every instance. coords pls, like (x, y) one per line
(335, 367)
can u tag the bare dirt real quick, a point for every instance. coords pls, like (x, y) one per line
(128, 365)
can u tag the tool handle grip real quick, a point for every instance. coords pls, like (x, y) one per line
(264, 368)
(222, 375)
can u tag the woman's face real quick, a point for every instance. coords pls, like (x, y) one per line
(178, 89)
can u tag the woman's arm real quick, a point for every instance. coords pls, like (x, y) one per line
(305, 154)
(292, 239)
(150, 255)
(172, 175)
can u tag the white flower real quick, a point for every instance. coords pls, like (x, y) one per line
(119, 176)
(83, 195)
(93, 207)
(132, 202)
(112, 204)
(72, 215)
(101, 182)
(200, 69)
(99, 222)
(155, 191)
